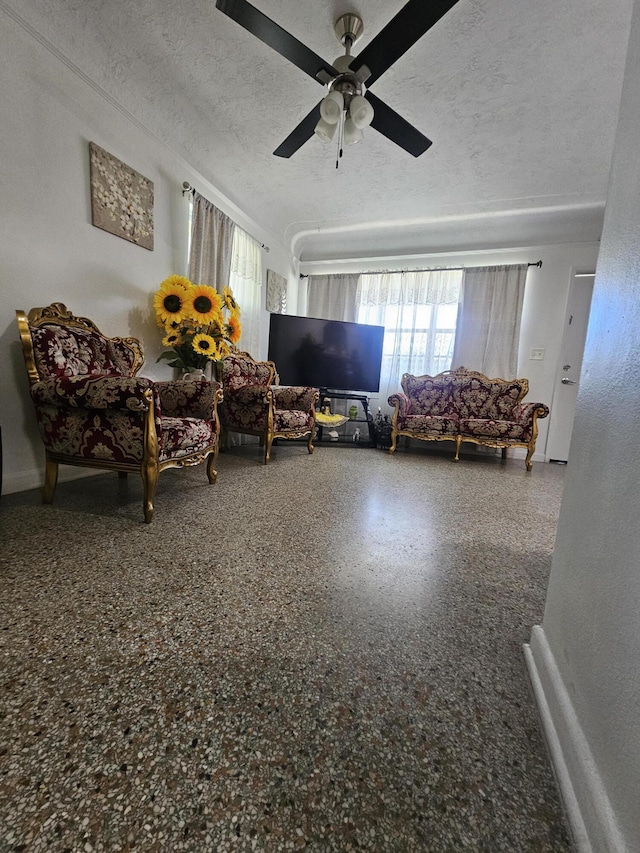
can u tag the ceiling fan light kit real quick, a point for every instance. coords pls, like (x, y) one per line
(348, 107)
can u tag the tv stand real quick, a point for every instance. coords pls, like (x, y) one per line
(326, 394)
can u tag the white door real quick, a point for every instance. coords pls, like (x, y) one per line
(565, 390)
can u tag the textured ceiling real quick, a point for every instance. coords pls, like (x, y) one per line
(520, 99)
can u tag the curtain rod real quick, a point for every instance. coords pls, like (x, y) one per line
(187, 188)
(428, 269)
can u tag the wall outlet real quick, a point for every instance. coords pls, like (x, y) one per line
(536, 354)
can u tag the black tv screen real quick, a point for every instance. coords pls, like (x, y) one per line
(329, 354)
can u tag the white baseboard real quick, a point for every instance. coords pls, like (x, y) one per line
(22, 481)
(593, 823)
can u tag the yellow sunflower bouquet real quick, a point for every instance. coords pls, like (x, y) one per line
(199, 324)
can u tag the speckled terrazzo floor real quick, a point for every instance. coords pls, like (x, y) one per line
(324, 653)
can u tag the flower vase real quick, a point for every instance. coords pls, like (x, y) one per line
(194, 375)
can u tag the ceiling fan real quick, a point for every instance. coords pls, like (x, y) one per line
(348, 106)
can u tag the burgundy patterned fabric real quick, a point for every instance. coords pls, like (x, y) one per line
(68, 351)
(93, 392)
(101, 436)
(432, 424)
(291, 420)
(102, 417)
(465, 404)
(493, 399)
(183, 436)
(253, 405)
(487, 428)
(294, 397)
(237, 370)
(180, 398)
(403, 404)
(429, 395)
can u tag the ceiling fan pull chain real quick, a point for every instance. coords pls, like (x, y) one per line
(340, 139)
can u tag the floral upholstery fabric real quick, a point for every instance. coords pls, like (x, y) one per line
(433, 424)
(465, 405)
(93, 410)
(253, 405)
(67, 351)
(187, 399)
(102, 417)
(487, 428)
(291, 420)
(493, 399)
(429, 395)
(184, 436)
(294, 397)
(237, 370)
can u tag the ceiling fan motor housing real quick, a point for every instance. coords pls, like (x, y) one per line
(348, 29)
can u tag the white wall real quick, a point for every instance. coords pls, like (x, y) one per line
(543, 313)
(585, 656)
(49, 251)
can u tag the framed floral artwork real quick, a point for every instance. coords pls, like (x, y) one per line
(121, 198)
(276, 301)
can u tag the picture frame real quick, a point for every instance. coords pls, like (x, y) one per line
(121, 198)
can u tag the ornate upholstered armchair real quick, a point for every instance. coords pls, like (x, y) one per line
(255, 404)
(93, 410)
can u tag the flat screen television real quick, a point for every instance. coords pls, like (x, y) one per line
(329, 354)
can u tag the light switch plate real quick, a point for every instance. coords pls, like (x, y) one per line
(536, 354)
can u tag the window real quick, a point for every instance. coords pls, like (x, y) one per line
(419, 312)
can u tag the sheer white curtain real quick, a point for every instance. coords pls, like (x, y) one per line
(418, 311)
(245, 280)
(488, 326)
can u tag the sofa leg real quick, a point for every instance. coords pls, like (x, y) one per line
(149, 482)
(50, 481)
(212, 474)
(394, 439)
(310, 447)
(504, 452)
(268, 441)
(456, 458)
(528, 463)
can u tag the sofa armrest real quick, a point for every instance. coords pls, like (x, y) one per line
(94, 392)
(299, 397)
(184, 399)
(402, 405)
(525, 413)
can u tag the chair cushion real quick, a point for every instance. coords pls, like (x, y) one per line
(429, 395)
(182, 436)
(431, 424)
(486, 399)
(291, 420)
(63, 351)
(238, 371)
(489, 428)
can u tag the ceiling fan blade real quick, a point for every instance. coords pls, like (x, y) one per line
(402, 31)
(300, 134)
(394, 127)
(280, 40)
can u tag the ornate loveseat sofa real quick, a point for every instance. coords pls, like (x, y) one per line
(92, 409)
(463, 405)
(255, 404)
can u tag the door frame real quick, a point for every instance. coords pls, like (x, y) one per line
(576, 272)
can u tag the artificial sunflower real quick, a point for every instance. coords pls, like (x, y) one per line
(205, 345)
(234, 328)
(170, 301)
(203, 303)
(199, 326)
(229, 301)
(171, 340)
